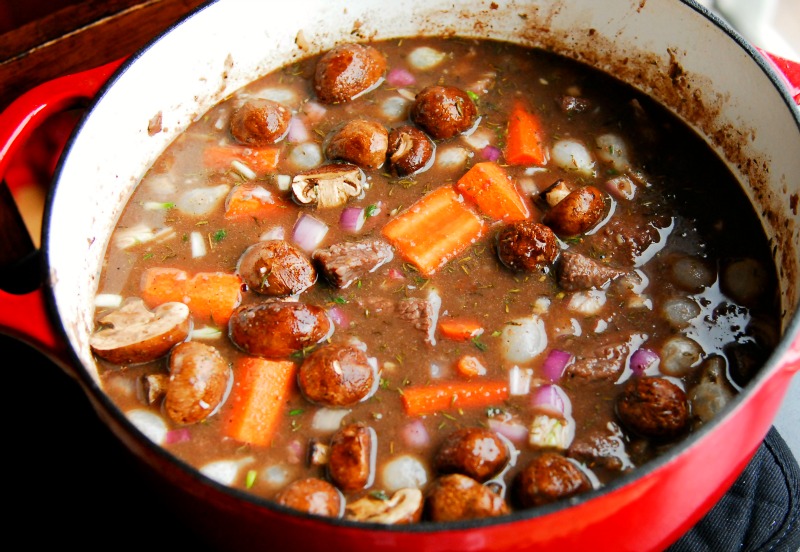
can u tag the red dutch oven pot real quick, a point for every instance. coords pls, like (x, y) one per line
(743, 101)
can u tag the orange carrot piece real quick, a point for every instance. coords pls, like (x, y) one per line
(488, 186)
(164, 285)
(260, 160)
(459, 329)
(470, 366)
(214, 295)
(434, 230)
(259, 393)
(427, 399)
(251, 200)
(525, 138)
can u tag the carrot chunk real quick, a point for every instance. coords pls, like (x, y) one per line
(260, 160)
(525, 138)
(459, 329)
(470, 366)
(164, 285)
(259, 393)
(427, 399)
(488, 186)
(434, 230)
(214, 295)
(209, 295)
(251, 200)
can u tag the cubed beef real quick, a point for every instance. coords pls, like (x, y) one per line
(625, 242)
(607, 363)
(603, 449)
(344, 263)
(578, 272)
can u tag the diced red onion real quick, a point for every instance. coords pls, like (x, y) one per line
(400, 77)
(352, 219)
(642, 359)
(295, 451)
(551, 400)
(415, 434)
(514, 432)
(308, 232)
(396, 274)
(337, 316)
(554, 364)
(315, 111)
(490, 153)
(177, 436)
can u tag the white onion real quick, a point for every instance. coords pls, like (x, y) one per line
(479, 139)
(680, 311)
(328, 419)
(308, 232)
(452, 157)
(692, 274)
(202, 201)
(708, 399)
(519, 380)
(152, 425)
(243, 170)
(198, 244)
(621, 187)
(395, 108)
(744, 280)
(298, 131)
(415, 434)
(551, 432)
(306, 155)
(679, 355)
(425, 57)
(276, 476)
(587, 302)
(523, 339)
(141, 233)
(274, 233)
(611, 149)
(107, 300)
(404, 472)
(572, 155)
(206, 332)
(278, 94)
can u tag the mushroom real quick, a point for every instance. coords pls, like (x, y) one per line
(405, 506)
(133, 334)
(329, 185)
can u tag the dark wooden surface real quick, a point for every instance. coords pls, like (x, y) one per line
(78, 36)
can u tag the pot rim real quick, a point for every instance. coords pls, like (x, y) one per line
(775, 362)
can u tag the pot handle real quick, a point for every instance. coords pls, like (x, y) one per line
(23, 310)
(789, 70)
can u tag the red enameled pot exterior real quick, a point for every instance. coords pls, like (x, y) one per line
(646, 510)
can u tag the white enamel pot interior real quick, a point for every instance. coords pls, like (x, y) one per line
(671, 49)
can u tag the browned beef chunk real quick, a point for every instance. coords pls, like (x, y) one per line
(602, 449)
(422, 312)
(625, 241)
(578, 272)
(344, 263)
(607, 363)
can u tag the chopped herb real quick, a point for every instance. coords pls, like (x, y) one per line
(250, 479)
(372, 210)
(449, 416)
(384, 384)
(479, 344)
(296, 412)
(379, 495)
(473, 96)
(493, 411)
(219, 235)
(147, 256)
(339, 300)
(496, 333)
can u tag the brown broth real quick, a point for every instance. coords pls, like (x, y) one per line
(683, 190)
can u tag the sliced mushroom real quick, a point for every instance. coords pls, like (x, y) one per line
(133, 334)
(405, 506)
(328, 186)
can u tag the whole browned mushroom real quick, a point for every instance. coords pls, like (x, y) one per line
(350, 461)
(653, 407)
(276, 268)
(527, 246)
(547, 478)
(443, 111)
(336, 375)
(347, 71)
(473, 451)
(198, 380)
(133, 334)
(457, 497)
(278, 329)
(312, 496)
(260, 122)
(577, 213)
(361, 142)
(410, 150)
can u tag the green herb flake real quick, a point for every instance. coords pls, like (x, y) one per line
(148, 256)
(372, 210)
(339, 300)
(379, 495)
(250, 479)
(296, 412)
(473, 96)
(479, 344)
(219, 235)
